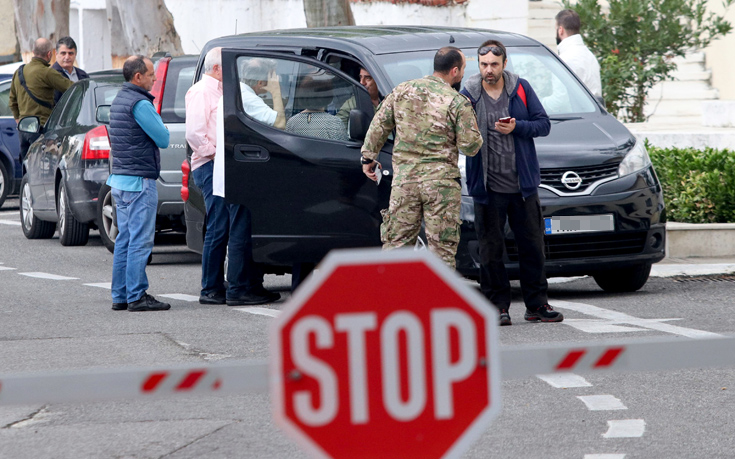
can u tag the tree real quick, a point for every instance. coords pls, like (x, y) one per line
(323, 13)
(636, 42)
(40, 19)
(147, 26)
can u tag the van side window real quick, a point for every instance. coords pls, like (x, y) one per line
(310, 96)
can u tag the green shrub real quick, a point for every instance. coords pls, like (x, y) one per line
(698, 185)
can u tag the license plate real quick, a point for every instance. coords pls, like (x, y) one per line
(579, 224)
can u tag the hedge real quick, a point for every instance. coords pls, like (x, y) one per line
(698, 185)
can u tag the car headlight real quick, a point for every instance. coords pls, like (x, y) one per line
(636, 159)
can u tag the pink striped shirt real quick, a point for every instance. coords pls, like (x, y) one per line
(201, 119)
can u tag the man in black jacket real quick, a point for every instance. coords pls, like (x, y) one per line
(66, 54)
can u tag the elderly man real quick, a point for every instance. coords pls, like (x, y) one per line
(245, 282)
(66, 54)
(136, 134)
(32, 89)
(259, 77)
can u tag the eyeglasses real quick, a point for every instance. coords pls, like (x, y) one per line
(490, 49)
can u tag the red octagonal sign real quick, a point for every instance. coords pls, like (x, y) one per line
(385, 355)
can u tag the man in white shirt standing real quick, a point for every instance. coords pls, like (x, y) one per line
(575, 53)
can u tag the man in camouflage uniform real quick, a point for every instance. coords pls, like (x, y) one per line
(433, 124)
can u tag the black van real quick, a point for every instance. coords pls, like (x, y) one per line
(600, 196)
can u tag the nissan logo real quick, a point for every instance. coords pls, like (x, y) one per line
(571, 180)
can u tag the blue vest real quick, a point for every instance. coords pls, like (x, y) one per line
(133, 151)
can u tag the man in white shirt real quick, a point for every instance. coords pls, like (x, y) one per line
(575, 53)
(259, 76)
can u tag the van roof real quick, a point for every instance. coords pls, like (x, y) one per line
(374, 39)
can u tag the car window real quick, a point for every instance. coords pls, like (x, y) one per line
(316, 101)
(53, 120)
(559, 92)
(104, 95)
(73, 106)
(178, 80)
(5, 99)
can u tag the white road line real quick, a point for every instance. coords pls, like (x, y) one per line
(564, 380)
(602, 402)
(259, 311)
(9, 222)
(615, 317)
(180, 296)
(6, 268)
(107, 285)
(599, 326)
(48, 276)
(626, 428)
(604, 456)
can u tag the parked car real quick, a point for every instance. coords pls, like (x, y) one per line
(600, 196)
(10, 170)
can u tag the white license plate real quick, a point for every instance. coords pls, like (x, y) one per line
(579, 224)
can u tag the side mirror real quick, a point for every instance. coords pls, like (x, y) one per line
(103, 114)
(601, 100)
(29, 125)
(359, 124)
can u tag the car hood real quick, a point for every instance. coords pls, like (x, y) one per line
(583, 142)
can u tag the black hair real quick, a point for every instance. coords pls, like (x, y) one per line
(66, 41)
(133, 66)
(447, 58)
(569, 19)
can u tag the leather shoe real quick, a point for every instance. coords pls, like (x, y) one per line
(212, 298)
(262, 291)
(119, 306)
(251, 299)
(148, 303)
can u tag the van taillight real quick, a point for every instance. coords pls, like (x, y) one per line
(185, 169)
(96, 144)
(160, 85)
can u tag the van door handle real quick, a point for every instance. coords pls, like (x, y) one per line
(251, 153)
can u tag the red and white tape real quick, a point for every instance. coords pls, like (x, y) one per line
(238, 377)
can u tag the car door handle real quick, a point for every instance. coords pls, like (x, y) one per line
(251, 153)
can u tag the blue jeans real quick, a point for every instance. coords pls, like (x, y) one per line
(215, 236)
(136, 223)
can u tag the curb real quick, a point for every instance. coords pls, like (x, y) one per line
(686, 240)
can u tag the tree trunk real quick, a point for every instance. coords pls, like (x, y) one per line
(324, 13)
(147, 27)
(40, 19)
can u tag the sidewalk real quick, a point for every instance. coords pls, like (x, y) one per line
(693, 266)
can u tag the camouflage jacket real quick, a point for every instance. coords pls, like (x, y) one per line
(433, 122)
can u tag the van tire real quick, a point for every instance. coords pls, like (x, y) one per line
(623, 280)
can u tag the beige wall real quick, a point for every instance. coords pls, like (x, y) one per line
(7, 28)
(720, 56)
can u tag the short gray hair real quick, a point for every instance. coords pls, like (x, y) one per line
(256, 69)
(213, 57)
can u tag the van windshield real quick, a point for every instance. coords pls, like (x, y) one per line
(559, 92)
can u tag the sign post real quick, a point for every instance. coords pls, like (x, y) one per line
(385, 354)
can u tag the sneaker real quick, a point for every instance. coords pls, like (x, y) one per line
(504, 318)
(148, 303)
(119, 306)
(212, 298)
(544, 314)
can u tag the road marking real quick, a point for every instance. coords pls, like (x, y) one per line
(602, 402)
(48, 276)
(564, 380)
(626, 428)
(259, 311)
(6, 268)
(604, 456)
(614, 317)
(180, 296)
(107, 285)
(9, 222)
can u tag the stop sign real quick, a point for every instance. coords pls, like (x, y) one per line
(385, 354)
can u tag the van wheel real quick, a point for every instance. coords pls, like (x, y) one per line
(4, 183)
(106, 218)
(33, 228)
(624, 279)
(71, 230)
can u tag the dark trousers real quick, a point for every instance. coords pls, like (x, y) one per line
(26, 140)
(526, 222)
(228, 227)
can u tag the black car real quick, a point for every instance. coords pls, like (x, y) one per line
(600, 196)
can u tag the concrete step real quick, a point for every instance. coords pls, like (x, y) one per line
(669, 107)
(678, 90)
(689, 75)
(662, 120)
(719, 113)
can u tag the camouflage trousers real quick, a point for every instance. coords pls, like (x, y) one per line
(437, 203)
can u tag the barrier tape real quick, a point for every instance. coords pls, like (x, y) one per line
(239, 377)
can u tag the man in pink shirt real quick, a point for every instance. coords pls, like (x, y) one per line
(245, 280)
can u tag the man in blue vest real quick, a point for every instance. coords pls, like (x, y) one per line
(136, 134)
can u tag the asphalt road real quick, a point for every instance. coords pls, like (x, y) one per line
(55, 314)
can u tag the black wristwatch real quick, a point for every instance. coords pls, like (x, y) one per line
(364, 160)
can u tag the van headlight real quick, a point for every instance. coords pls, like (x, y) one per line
(636, 159)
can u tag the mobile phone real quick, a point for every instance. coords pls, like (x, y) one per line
(505, 120)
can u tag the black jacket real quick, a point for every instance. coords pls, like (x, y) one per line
(81, 74)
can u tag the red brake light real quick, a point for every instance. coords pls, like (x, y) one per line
(185, 169)
(96, 144)
(160, 85)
